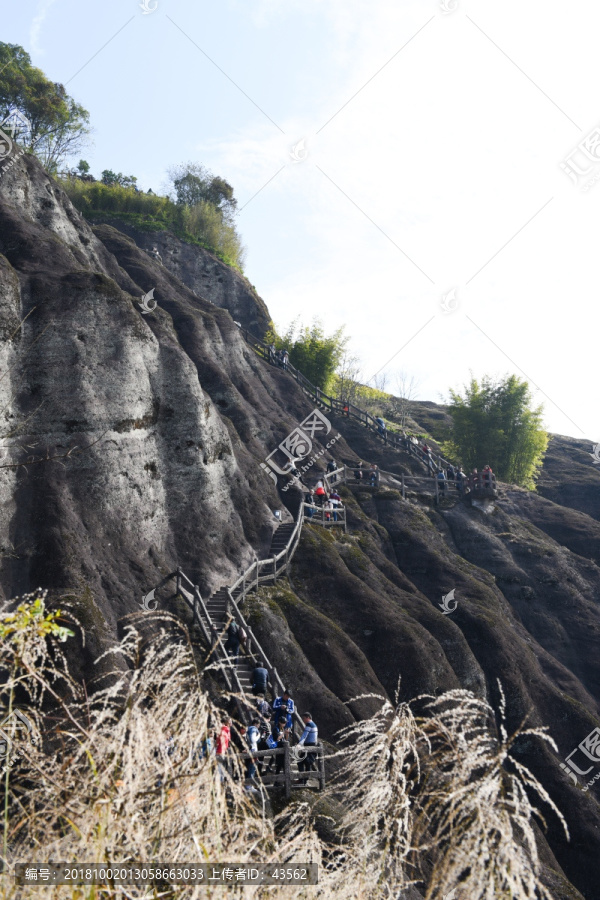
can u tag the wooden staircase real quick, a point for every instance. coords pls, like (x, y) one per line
(218, 608)
(211, 618)
(281, 537)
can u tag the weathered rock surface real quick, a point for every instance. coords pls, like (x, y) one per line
(201, 271)
(172, 414)
(162, 413)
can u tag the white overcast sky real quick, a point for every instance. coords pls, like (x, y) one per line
(430, 162)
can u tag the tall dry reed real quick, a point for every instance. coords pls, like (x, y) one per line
(431, 800)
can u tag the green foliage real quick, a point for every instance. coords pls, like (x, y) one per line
(370, 399)
(109, 177)
(94, 195)
(59, 125)
(195, 186)
(494, 424)
(316, 354)
(202, 225)
(83, 167)
(32, 621)
(207, 223)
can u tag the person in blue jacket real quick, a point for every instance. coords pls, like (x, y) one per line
(285, 703)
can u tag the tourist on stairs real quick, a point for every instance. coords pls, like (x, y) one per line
(310, 737)
(232, 645)
(286, 704)
(309, 498)
(260, 679)
(262, 706)
(441, 481)
(222, 746)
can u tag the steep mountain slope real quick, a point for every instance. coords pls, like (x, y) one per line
(201, 271)
(172, 413)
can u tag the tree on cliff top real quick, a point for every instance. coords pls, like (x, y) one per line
(59, 125)
(494, 424)
(207, 206)
(316, 354)
(194, 184)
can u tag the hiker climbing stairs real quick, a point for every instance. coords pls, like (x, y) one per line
(218, 607)
(212, 617)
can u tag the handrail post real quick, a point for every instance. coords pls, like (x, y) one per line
(277, 682)
(287, 769)
(321, 767)
(195, 608)
(178, 581)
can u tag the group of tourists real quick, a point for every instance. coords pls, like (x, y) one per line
(271, 728)
(278, 357)
(274, 725)
(455, 475)
(318, 498)
(371, 475)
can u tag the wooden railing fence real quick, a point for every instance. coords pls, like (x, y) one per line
(434, 462)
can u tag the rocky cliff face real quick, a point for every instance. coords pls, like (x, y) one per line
(202, 272)
(155, 425)
(162, 414)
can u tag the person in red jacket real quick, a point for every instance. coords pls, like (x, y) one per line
(487, 476)
(320, 494)
(223, 741)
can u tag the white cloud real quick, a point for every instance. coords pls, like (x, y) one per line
(35, 30)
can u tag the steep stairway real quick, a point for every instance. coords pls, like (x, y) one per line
(281, 537)
(218, 603)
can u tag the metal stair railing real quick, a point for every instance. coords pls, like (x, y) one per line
(247, 582)
(262, 349)
(256, 653)
(338, 476)
(212, 635)
(278, 564)
(285, 777)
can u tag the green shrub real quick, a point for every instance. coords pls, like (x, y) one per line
(201, 224)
